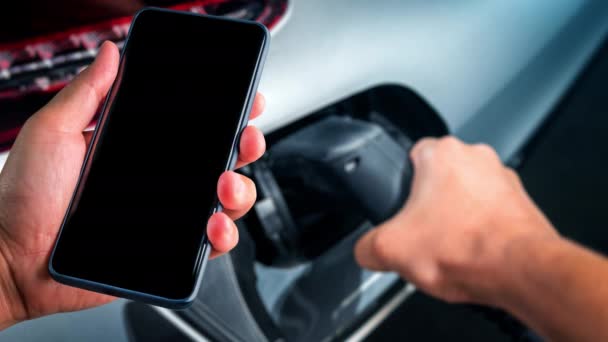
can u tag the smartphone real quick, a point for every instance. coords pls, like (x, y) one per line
(136, 224)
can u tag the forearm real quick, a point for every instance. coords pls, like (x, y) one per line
(558, 288)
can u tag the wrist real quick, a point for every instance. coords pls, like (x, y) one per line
(524, 258)
(12, 308)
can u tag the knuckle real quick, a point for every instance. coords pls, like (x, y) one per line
(420, 148)
(449, 145)
(450, 141)
(485, 149)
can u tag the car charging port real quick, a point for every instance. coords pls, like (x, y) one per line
(320, 182)
(344, 163)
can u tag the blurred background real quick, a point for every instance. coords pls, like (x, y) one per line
(527, 77)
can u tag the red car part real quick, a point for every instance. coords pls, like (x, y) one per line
(34, 69)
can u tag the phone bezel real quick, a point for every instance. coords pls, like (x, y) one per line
(205, 249)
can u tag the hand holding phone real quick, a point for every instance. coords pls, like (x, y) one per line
(135, 225)
(39, 177)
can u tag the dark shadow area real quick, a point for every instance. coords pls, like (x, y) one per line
(565, 168)
(422, 318)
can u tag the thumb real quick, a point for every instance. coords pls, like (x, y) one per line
(72, 109)
(382, 248)
(370, 252)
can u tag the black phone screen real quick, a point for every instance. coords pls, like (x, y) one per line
(139, 215)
